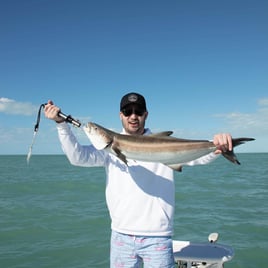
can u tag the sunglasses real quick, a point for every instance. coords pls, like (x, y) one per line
(130, 111)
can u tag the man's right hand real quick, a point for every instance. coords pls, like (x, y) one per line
(51, 111)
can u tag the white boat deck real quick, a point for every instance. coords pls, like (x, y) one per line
(210, 255)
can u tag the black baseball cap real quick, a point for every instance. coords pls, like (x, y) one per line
(133, 98)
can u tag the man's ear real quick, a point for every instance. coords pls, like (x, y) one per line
(146, 115)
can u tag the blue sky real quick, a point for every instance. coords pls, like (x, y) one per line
(202, 66)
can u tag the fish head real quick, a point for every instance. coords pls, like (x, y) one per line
(98, 136)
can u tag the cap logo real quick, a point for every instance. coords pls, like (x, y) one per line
(133, 98)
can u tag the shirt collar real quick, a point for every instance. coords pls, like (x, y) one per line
(147, 131)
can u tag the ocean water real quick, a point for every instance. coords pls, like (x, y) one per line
(54, 215)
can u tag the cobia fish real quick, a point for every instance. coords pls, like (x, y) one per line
(159, 147)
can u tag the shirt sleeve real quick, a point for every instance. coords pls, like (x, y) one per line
(77, 154)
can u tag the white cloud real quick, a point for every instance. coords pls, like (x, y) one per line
(263, 102)
(249, 123)
(9, 106)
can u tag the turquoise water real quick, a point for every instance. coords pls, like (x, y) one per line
(54, 215)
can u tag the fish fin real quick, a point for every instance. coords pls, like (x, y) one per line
(119, 154)
(238, 141)
(176, 167)
(230, 155)
(161, 134)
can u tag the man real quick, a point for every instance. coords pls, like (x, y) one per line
(140, 196)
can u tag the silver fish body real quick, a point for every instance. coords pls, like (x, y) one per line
(159, 147)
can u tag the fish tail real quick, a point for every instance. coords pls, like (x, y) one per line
(230, 155)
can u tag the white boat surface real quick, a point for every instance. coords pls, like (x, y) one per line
(202, 255)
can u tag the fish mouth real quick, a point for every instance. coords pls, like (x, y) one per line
(87, 128)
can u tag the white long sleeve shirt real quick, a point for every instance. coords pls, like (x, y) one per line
(140, 196)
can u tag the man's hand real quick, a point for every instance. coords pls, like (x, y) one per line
(223, 142)
(51, 111)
